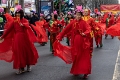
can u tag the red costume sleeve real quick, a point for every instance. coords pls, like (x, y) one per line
(29, 31)
(65, 31)
(8, 30)
(114, 30)
(6, 46)
(64, 52)
(42, 36)
(26, 23)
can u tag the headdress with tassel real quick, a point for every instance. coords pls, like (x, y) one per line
(41, 14)
(55, 12)
(18, 8)
(79, 9)
(69, 13)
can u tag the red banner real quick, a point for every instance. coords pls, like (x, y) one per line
(110, 8)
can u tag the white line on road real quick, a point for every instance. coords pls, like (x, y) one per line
(1, 30)
(116, 75)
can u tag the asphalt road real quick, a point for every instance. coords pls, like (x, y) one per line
(50, 67)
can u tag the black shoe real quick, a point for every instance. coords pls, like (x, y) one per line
(101, 45)
(97, 46)
(85, 76)
(105, 37)
(43, 44)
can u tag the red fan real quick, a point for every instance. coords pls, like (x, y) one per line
(114, 30)
(63, 52)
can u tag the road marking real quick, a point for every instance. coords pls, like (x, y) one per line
(116, 75)
(1, 30)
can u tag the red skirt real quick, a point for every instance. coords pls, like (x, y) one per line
(24, 51)
(81, 56)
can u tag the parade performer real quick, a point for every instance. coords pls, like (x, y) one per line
(80, 45)
(69, 20)
(109, 22)
(54, 27)
(41, 30)
(114, 29)
(62, 20)
(18, 42)
(98, 30)
(91, 22)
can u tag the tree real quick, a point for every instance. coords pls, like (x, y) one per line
(21, 2)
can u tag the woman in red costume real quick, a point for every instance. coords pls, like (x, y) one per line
(109, 22)
(98, 31)
(54, 27)
(62, 20)
(69, 20)
(41, 30)
(91, 23)
(80, 44)
(23, 50)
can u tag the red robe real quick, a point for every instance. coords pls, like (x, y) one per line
(54, 30)
(98, 33)
(22, 49)
(110, 23)
(91, 22)
(80, 46)
(41, 32)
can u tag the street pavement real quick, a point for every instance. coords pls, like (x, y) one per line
(50, 67)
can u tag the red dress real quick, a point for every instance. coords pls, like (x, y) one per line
(24, 51)
(80, 46)
(41, 32)
(98, 33)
